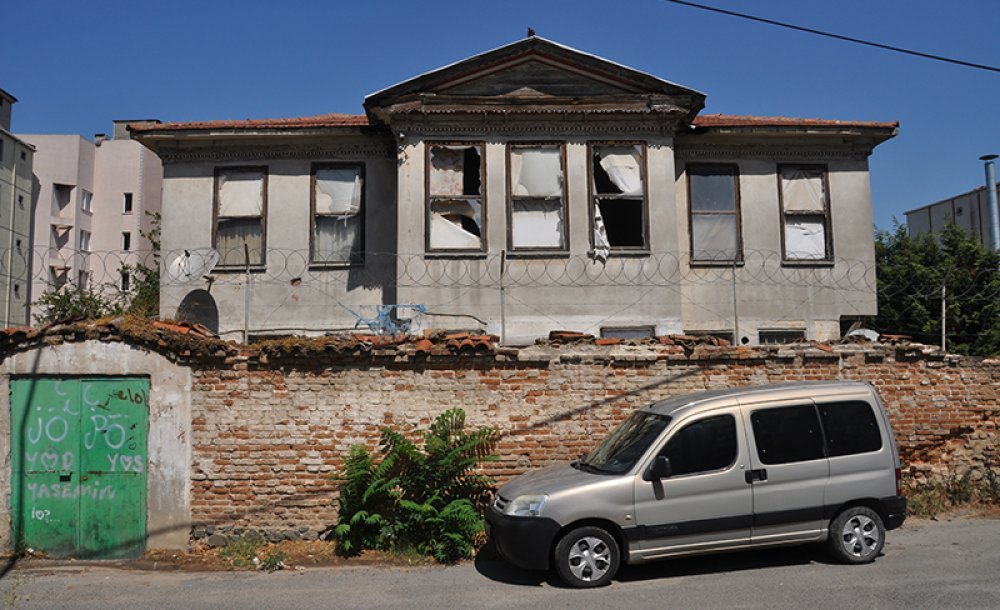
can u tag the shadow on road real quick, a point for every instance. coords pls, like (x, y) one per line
(492, 566)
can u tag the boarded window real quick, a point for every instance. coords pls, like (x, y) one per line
(537, 200)
(805, 212)
(338, 193)
(240, 198)
(455, 197)
(619, 198)
(715, 213)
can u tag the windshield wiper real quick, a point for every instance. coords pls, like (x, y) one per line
(588, 467)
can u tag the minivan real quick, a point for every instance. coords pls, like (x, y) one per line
(716, 471)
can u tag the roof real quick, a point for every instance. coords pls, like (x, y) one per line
(7, 95)
(742, 120)
(673, 405)
(319, 120)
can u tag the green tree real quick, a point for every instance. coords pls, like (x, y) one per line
(911, 272)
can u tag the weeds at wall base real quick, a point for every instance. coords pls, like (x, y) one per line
(929, 499)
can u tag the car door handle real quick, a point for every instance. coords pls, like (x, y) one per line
(756, 475)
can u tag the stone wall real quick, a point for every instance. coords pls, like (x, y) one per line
(267, 433)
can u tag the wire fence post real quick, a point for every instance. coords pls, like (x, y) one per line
(503, 299)
(736, 313)
(246, 295)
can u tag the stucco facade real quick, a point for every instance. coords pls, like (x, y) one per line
(90, 204)
(527, 189)
(16, 160)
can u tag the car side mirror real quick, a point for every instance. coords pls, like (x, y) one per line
(659, 469)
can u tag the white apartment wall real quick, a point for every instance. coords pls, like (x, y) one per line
(15, 226)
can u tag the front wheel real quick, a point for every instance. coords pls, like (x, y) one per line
(587, 557)
(857, 535)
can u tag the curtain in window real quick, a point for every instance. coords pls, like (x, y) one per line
(456, 225)
(805, 239)
(802, 190)
(623, 165)
(536, 172)
(241, 194)
(232, 234)
(338, 191)
(337, 226)
(714, 237)
(536, 224)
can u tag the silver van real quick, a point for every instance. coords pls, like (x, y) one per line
(716, 471)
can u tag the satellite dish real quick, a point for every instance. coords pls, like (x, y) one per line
(192, 265)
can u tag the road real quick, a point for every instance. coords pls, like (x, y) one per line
(927, 564)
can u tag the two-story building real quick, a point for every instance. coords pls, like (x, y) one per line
(529, 188)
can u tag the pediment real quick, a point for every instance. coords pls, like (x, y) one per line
(533, 78)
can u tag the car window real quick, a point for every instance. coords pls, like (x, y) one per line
(787, 434)
(707, 444)
(850, 427)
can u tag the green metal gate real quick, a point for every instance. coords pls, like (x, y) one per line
(78, 447)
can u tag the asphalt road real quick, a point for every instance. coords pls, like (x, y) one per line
(927, 564)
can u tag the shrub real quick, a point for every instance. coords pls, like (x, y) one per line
(420, 498)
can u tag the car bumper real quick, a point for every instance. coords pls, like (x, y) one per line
(523, 541)
(895, 511)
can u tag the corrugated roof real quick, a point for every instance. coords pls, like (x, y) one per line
(742, 120)
(319, 120)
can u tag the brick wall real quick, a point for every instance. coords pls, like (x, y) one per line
(267, 434)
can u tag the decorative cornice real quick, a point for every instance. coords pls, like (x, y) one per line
(550, 129)
(265, 152)
(757, 151)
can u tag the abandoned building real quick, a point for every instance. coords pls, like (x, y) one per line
(525, 189)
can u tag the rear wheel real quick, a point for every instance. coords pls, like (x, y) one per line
(587, 557)
(857, 535)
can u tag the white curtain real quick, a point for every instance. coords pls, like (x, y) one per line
(233, 234)
(714, 237)
(446, 229)
(623, 165)
(602, 247)
(536, 224)
(805, 239)
(241, 193)
(337, 238)
(338, 191)
(536, 172)
(802, 190)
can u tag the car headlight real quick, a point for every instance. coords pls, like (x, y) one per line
(526, 506)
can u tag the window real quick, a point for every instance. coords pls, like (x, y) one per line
(17, 291)
(86, 199)
(84, 241)
(126, 241)
(24, 156)
(787, 434)
(240, 203)
(18, 245)
(627, 332)
(705, 445)
(456, 220)
(850, 428)
(20, 201)
(536, 210)
(714, 199)
(618, 196)
(125, 281)
(127, 203)
(780, 336)
(338, 227)
(805, 212)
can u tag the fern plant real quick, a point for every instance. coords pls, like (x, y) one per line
(426, 498)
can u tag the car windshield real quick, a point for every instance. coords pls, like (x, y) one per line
(621, 449)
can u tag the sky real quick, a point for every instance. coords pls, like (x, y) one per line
(77, 66)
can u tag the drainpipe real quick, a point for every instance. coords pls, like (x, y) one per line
(991, 197)
(10, 244)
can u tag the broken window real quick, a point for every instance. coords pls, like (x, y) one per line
(619, 198)
(338, 228)
(240, 195)
(537, 210)
(715, 214)
(805, 212)
(455, 197)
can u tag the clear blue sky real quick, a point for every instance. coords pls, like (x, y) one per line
(75, 66)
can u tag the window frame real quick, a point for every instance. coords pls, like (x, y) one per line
(828, 259)
(735, 416)
(354, 261)
(429, 199)
(563, 250)
(86, 201)
(126, 241)
(592, 197)
(738, 212)
(128, 203)
(219, 170)
(798, 404)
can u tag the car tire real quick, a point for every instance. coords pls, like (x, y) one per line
(857, 535)
(587, 557)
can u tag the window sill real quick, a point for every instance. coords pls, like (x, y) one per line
(538, 254)
(454, 254)
(638, 253)
(809, 263)
(719, 263)
(336, 266)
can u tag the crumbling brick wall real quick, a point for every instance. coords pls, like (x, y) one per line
(268, 433)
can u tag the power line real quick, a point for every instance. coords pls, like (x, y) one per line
(869, 43)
